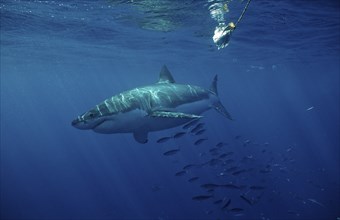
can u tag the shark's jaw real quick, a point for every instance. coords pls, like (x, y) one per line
(121, 123)
(86, 125)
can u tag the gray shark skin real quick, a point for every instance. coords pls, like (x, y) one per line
(162, 105)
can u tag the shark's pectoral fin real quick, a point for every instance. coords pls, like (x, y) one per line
(141, 136)
(220, 108)
(168, 114)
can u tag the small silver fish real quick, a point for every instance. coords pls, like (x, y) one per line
(239, 214)
(236, 210)
(310, 108)
(180, 173)
(200, 132)
(231, 169)
(179, 134)
(229, 153)
(197, 128)
(218, 201)
(246, 142)
(293, 212)
(213, 150)
(316, 202)
(210, 185)
(257, 187)
(237, 137)
(213, 186)
(171, 152)
(201, 197)
(266, 170)
(163, 139)
(189, 166)
(250, 202)
(221, 144)
(227, 204)
(214, 162)
(231, 186)
(200, 141)
(155, 188)
(193, 179)
(228, 161)
(222, 156)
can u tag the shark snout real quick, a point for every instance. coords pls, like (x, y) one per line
(80, 124)
(74, 122)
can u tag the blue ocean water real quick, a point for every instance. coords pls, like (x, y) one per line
(278, 78)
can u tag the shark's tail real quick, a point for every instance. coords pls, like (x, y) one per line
(218, 105)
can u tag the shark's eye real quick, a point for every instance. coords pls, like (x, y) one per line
(91, 115)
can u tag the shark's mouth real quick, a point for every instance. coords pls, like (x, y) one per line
(85, 125)
(74, 122)
(98, 124)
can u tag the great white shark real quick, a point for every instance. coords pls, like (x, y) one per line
(159, 106)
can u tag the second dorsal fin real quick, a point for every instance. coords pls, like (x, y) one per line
(165, 76)
(213, 86)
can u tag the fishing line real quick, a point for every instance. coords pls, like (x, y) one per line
(243, 12)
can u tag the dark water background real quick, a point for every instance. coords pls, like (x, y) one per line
(60, 58)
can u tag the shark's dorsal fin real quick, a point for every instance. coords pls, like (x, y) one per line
(165, 76)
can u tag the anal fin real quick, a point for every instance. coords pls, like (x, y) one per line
(141, 136)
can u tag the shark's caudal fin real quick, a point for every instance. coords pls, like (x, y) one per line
(165, 76)
(220, 108)
(218, 105)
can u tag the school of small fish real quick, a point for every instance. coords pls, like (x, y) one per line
(240, 179)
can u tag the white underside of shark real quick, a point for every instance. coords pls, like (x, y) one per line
(151, 108)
